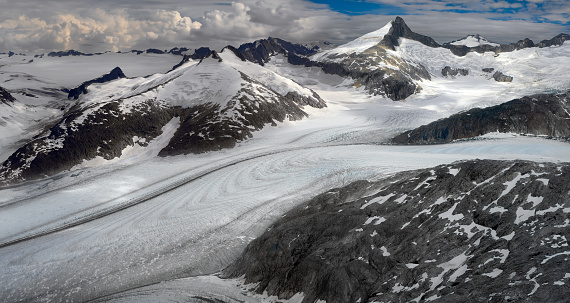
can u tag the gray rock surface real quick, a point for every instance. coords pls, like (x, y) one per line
(474, 231)
(500, 77)
(449, 71)
(545, 114)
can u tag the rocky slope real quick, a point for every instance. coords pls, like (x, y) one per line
(475, 231)
(545, 114)
(208, 106)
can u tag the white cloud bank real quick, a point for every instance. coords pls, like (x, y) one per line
(100, 31)
(126, 24)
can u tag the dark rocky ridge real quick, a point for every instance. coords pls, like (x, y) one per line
(114, 74)
(474, 231)
(545, 114)
(6, 97)
(262, 50)
(67, 53)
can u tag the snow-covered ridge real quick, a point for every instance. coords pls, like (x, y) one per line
(220, 101)
(473, 41)
(358, 45)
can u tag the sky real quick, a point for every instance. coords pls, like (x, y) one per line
(36, 26)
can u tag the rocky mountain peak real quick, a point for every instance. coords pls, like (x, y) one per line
(401, 30)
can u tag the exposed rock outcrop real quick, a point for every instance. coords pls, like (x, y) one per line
(500, 77)
(449, 71)
(546, 114)
(475, 231)
(6, 97)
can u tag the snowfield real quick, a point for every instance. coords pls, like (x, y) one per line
(106, 227)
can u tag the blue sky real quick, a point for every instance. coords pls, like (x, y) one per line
(92, 26)
(354, 7)
(551, 11)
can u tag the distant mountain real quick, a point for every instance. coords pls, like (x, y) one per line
(476, 43)
(196, 108)
(377, 62)
(472, 41)
(260, 51)
(473, 231)
(67, 53)
(558, 40)
(114, 74)
(545, 114)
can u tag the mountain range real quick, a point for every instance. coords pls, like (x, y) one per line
(390, 168)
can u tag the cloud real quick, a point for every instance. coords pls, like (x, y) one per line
(128, 24)
(98, 31)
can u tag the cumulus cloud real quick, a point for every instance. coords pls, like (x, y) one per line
(129, 24)
(97, 31)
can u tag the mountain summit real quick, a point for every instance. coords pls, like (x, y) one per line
(388, 37)
(400, 29)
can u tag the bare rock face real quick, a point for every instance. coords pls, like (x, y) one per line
(545, 114)
(500, 77)
(474, 231)
(452, 72)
